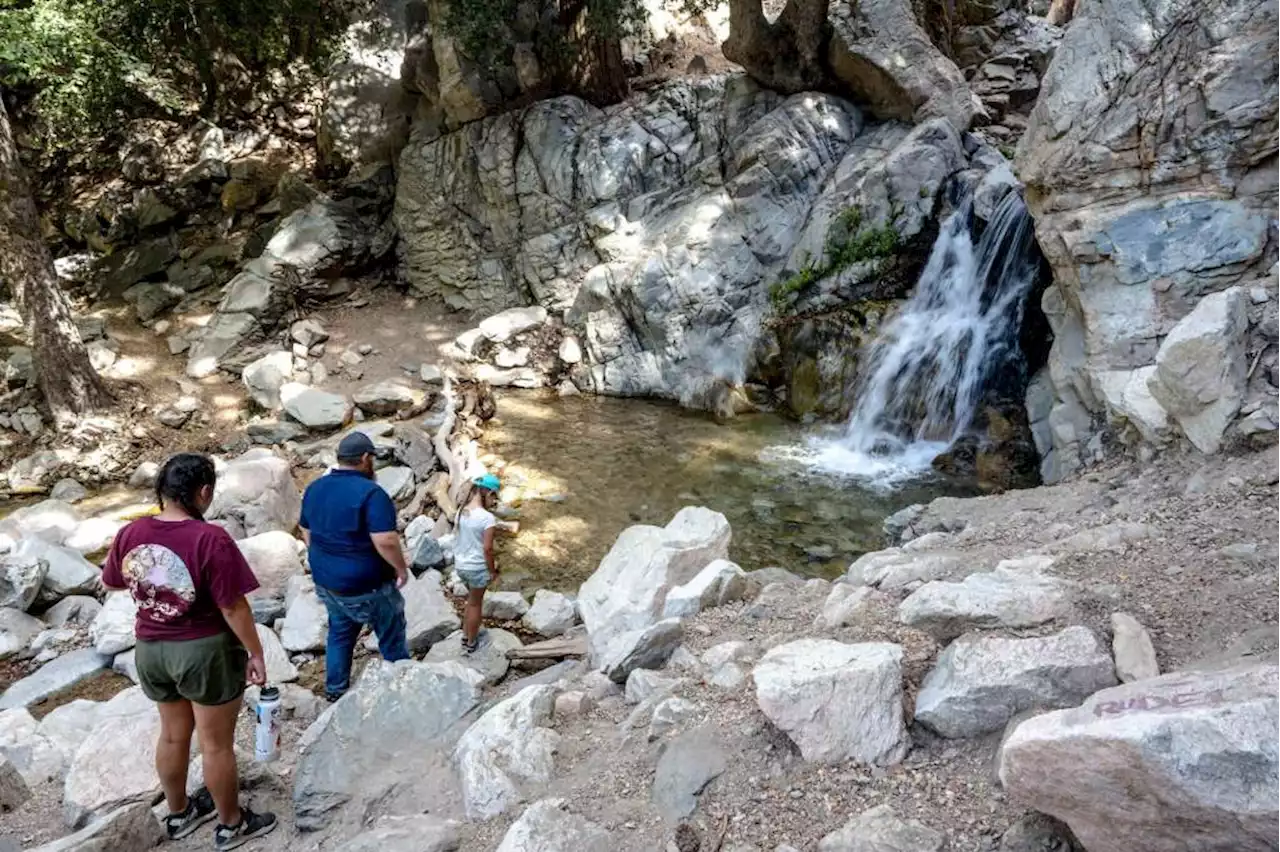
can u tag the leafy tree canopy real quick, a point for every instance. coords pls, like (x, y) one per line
(85, 65)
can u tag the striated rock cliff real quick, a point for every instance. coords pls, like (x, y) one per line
(1150, 165)
(660, 229)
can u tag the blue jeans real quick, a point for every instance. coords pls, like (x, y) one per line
(382, 610)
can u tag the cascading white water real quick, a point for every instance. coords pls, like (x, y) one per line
(929, 367)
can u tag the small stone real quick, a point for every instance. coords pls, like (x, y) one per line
(1135, 656)
(308, 333)
(505, 606)
(573, 704)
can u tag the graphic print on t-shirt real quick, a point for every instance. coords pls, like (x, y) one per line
(159, 581)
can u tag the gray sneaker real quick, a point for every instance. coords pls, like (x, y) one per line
(251, 826)
(199, 810)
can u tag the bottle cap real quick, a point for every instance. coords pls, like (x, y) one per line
(269, 693)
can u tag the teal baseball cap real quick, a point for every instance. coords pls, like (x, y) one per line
(488, 482)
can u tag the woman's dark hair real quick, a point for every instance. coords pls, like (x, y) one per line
(181, 478)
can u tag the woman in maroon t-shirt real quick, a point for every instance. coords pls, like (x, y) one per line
(197, 645)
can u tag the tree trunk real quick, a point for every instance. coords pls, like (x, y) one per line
(68, 381)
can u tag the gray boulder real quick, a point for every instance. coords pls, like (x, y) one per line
(397, 713)
(51, 520)
(384, 398)
(112, 630)
(68, 572)
(68, 491)
(1008, 597)
(429, 616)
(306, 621)
(397, 481)
(13, 788)
(551, 614)
(686, 765)
(547, 826)
(132, 828)
(505, 606)
(489, 661)
(649, 648)
(77, 610)
(510, 745)
(17, 629)
(54, 676)
(274, 558)
(21, 575)
(719, 583)
(256, 493)
(627, 593)
(265, 376)
(417, 833)
(880, 830)
(835, 701)
(115, 765)
(979, 683)
(1183, 762)
(315, 409)
(1200, 369)
(505, 325)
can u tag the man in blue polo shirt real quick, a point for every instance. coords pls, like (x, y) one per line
(349, 524)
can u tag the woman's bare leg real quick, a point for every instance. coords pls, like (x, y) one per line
(217, 727)
(173, 752)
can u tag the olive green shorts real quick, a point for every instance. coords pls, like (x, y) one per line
(208, 671)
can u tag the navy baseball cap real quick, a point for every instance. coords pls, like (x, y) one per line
(355, 445)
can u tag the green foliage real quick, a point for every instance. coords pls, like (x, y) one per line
(87, 65)
(848, 242)
(489, 29)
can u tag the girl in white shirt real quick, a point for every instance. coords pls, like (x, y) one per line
(473, 553)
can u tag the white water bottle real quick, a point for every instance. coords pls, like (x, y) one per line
(266, 741)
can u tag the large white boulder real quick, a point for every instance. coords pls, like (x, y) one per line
(113, 630)
(548, 826)
(115, 765)
(551, 614)
(504, 325)
(981, 682)
(306, 621)
(274, 556)
(51, 520)
(93, 535)
(43, 750)
(256, 492)
(69, 572)
(719, 583)
(1008, 597)
(385, 728)
(628, 591)
(511, 744)
(265, 376)
(1180, 763)
(835, 701)
(1201, 368)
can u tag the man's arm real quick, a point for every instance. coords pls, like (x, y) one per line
(380, 516)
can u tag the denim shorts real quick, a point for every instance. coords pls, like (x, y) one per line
(474, 579)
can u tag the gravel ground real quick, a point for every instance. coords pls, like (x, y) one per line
(1200, 574)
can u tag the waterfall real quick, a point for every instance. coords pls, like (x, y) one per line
(929, 367)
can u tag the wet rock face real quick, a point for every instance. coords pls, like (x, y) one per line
(709, 212)
(1139, 229)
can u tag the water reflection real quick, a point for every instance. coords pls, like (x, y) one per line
(581, 469)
